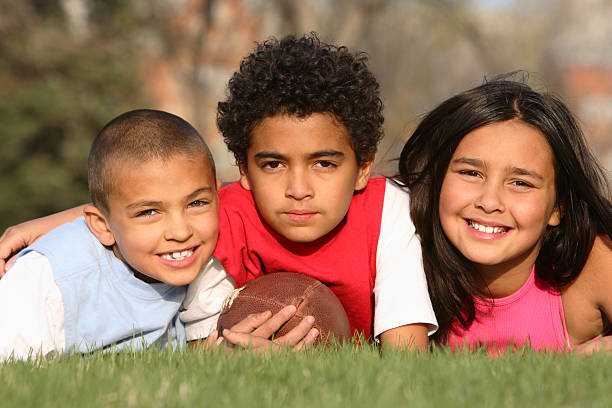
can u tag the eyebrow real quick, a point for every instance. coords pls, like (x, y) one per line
(510, 170)
(524, 172)
(149, 203)
(313, 155)
(469, 161)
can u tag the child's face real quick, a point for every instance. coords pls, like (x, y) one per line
(164, 217)
(302, 173)
(498, 195)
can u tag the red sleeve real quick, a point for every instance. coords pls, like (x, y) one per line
(235, 206)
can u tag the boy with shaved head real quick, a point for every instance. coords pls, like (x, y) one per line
(117, 276)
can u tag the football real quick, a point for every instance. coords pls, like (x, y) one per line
(276, 290)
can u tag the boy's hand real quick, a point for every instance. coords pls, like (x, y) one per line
(254, 331)
(595, 345)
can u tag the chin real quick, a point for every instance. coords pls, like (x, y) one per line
(180, 280)
(302, 237)
(483, 259)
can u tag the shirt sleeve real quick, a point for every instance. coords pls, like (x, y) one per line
(204, 300)
(400, 290)
(31, 310)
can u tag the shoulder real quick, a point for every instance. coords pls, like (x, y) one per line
(587, 299)
(31, 273)
(235, 199)
(597, 271)
(72, 233)
(372, 196)
(233, 190)
(396, 195)
(396, 208)
(595, 279)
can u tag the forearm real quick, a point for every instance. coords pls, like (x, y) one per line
(411, 337)
(55, 220)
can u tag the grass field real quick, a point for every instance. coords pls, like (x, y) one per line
(344, 377)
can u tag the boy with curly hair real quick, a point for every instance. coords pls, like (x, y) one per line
(303, 119)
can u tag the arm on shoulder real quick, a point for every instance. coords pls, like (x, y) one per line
(598, 267)
(21, 235)
(596, 277)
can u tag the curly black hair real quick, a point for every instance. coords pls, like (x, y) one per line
(302, 76)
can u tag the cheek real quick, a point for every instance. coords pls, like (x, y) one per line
(531, 212)
(265, 202)
(209, 228)
(337, 198)
(451, 197)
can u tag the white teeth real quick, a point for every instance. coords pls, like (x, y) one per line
(177, 256)
(488, 230)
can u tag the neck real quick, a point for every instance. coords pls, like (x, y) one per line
(501, 280)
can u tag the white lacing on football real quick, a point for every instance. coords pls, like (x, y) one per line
(227, 303)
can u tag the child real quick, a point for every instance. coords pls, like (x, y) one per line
(303, 119)
(116, 277)
(517, 200)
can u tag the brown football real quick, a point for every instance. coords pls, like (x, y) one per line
(277, 290)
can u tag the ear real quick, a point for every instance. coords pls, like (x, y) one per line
(363, 175)
(98, 224)
(555, 217)
(244, 177)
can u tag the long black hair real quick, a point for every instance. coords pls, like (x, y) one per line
(582, 190)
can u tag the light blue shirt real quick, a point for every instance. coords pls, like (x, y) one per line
(105, 306)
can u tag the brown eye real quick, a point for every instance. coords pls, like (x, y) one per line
(472, 173)
(325, 164)
(271, 165)
(522, 184)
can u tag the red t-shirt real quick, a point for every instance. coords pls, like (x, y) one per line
(344, 259)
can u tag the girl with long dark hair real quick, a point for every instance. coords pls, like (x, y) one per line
(508, 201)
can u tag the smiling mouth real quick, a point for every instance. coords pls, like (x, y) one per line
(178, 255)
(487, 228)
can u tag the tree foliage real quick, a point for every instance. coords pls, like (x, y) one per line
(59, 86)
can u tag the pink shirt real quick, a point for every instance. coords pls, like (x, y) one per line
(532, 316)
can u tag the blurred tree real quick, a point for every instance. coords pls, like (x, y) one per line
(63, 75)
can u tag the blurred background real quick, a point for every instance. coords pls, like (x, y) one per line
(69, 66)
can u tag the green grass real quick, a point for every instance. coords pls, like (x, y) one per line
(317, 378)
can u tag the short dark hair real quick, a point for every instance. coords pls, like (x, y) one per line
(582, 190)
(301, 76)
(138, 136)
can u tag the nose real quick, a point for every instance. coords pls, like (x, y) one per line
(490, 198)
(178, 228)
(298, 185)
